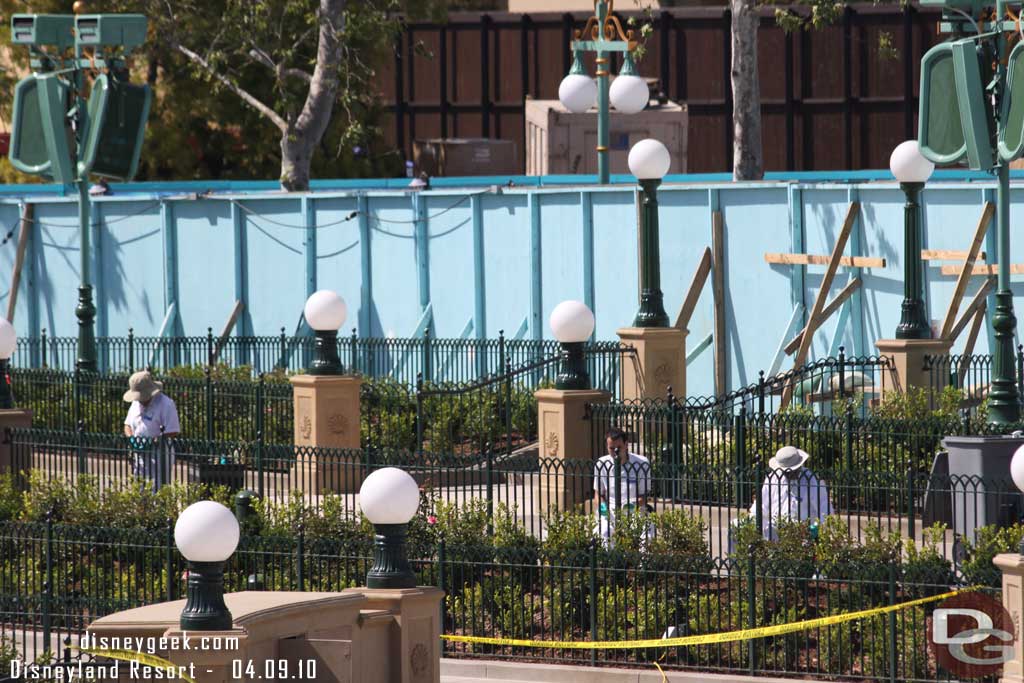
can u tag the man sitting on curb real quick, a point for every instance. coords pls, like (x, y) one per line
(634, 484)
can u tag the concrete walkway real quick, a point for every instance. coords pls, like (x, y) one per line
(472, 670)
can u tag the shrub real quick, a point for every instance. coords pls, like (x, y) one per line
(977, 567)
(569, 535)
(925, 570)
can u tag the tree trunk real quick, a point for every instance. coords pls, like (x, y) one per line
(304, 134)
(748, 156)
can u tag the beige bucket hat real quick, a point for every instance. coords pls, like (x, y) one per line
(142, 387)
(788, 458)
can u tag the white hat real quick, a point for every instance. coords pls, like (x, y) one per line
(788, 458)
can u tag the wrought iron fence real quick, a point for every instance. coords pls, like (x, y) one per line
(56, 578)
(851, 381)
(401, 359)
(971, 375)
(524, 487)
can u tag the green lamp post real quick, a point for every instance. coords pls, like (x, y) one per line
(58, 134)
(572, 323)
(206, 534)
(325, 312)
(390, 498)
(578, 92)
(8, 343)
(649, 161)
(912, 170)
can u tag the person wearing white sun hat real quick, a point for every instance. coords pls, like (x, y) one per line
(151, 412)
(790, 491)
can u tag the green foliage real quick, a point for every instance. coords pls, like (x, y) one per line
(8, 652)
(679, 533)
(990, 541)
(927, 565)
(11, 500)
(569, 535)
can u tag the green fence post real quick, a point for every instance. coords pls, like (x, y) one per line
(354, 364)
(259, 420)
(76, 398)
(892, 623)
(259, 463)
(501, 350)
(425, 364)
(169, 558)
(751, 610)
(419, 414)
(490, 490)
(910, 504)
(283, 347)
(300, 559)
(43, 349)
(508, 407)
(83, 467)
(209, 405)
(209, 347)
(849, 440)
(442, 576)
(593, 600)
(48, 586)
(164, 472)
(740, 439)
(131, 350)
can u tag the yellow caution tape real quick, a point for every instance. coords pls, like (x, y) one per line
(726, 637)
(173, 669)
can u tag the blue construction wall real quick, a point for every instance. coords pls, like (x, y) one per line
(470, 259)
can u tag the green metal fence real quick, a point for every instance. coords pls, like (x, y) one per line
(55, 578)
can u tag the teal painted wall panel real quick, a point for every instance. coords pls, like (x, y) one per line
(616, 280)
(276, 264)
(561, 252)
(133, 267)
(451, 256)
(506, 262)
(339, 265)
(393, 257)
(205, 248)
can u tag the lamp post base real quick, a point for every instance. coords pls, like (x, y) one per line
(204, 606)
(390, 566)
(1004, 399)
(573, 373)
(325, 358)
(86, 314)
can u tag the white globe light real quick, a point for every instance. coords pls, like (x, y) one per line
(909, 165)
(572, 321)
(8, 339)
(389, 496)
(325, 311)
(629, 94)
(1017, 468)
(577, 93)
(206, 532)
(649, 160)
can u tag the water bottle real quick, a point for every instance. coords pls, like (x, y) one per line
(603, 509)
(814, 530)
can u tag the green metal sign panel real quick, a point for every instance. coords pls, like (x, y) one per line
(1011, 137)
(127, 30)
(116, 126)
(39, 141)
(975, 112)
(941, 135)
(56, 30)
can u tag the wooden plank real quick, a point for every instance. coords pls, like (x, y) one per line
(697, 350)
(718, 289)
(845, 294)
(819, 300)
(972, 337)
(226, 332)
(947, 255)
(700, 277)
(27, 215)
(965, 273)
(977, 302)
(821, 260)
(1015, 269)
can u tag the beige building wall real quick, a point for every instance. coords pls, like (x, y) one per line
(575, 5)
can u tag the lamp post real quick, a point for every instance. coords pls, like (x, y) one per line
(572, 323)
(8, 342)
(325, 312)
(912, 170)
(389, 498)
(649, 161)
(629, 93)
(207, 534)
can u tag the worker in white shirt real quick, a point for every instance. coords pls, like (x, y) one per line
(634, 483)
(151, 413)
(790, 491)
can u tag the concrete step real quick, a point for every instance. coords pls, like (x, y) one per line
(485, 671)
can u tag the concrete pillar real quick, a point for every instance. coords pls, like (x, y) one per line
(327, 415)
(413, 654)
(1012, 566)
(566, 446)
(661, 358)
(12, 418)
(906, 357)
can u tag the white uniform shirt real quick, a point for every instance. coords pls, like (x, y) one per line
(146, 420)
(802, 497)
(634, 482)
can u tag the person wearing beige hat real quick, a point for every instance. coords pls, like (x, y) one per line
(790, 491)
(151, 413)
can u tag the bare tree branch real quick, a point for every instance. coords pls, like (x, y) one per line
(260, 56)
(247, 97)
